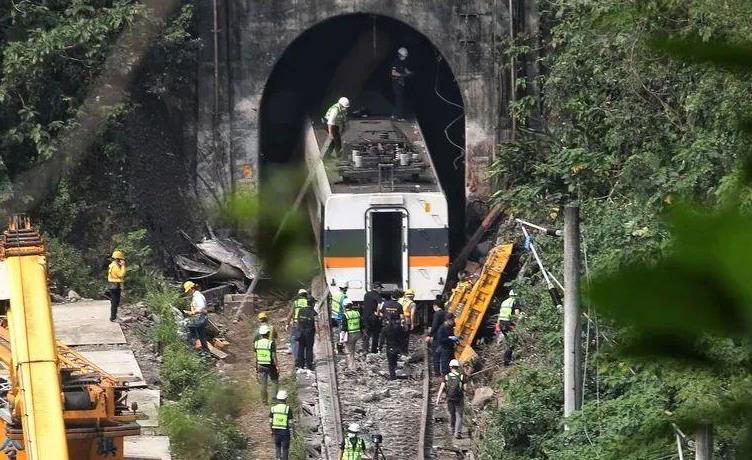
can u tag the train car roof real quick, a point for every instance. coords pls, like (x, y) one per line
(377, 141)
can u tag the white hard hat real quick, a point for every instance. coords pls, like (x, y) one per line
(347, 302)
(512, 293)
(344, 102)
(342, 285)
(302, 291)
(454, 363)
(264, 329)
(402, 51)
(281, 395)
(353, 428)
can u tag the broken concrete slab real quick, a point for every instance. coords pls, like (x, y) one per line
(147, 448)
(148, 405)
(86, 323)
(120, 364)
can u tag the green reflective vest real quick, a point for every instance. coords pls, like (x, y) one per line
(405, 302)
(353, 320)
(280, 417)
(336, 306)
(354, 448)
(263, 348)
(338, 112)
(505, 313)
(297, 305)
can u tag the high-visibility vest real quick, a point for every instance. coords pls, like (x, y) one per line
(405, 303)
(297, 305)
(263, 348)
(456, 375)
(353, 450)
(280, 417)
(505, 313)
(353, 320)
(339, 114)
(335, 308)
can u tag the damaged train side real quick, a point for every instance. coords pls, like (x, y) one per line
(379, 213)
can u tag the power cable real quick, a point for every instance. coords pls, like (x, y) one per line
(451, 123)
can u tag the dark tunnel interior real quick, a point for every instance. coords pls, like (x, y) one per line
(352, 56)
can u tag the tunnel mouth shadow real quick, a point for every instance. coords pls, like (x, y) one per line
(352, 55)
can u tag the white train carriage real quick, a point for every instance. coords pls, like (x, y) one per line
(379, 213)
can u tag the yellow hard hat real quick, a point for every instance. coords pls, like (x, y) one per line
(118, 254)
(262, 316)
(188, 285)
(410, 291)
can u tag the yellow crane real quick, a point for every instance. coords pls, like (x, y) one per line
(469, 302)
(54, 403)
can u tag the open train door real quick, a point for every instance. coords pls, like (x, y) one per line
(386, 247)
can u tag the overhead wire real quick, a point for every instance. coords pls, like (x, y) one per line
(455, 120)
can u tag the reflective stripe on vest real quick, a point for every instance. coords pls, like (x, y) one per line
(263, 349)
(405, 303)
(297, 305)
(336, 306)
(280, 419)
(353, 451)
(456, 375)
(339, 118)
(353, 321)
(505, 313)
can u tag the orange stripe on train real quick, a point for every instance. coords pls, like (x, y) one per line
(428, 261)
(344, 262)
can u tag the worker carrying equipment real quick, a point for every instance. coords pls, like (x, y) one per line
(353, 447)
(335, 119)
(280, 418)
(115, 280)
(454, 384)
(266, 362)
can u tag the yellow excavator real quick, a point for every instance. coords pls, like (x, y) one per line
(54, 403)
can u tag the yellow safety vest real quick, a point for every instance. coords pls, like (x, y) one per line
(505, 313)
(405, 302)
(263, 348)
(280, 417)
(353, 321)
(353, 450)
(336, 305)
(297, 305)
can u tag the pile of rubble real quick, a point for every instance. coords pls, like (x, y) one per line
(219, 261)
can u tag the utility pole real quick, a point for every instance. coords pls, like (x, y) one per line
(572, 329)
(704, 442)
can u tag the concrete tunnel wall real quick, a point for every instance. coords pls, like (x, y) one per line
(253, 34)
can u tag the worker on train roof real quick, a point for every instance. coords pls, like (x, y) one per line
(335, 118)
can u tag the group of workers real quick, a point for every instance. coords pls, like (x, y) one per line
(336, 116)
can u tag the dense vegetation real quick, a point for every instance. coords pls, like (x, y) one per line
(630, 133)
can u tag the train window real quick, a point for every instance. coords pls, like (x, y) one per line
(387, 247)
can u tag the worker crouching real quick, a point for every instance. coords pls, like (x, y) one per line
(266, 362)
(280, 418)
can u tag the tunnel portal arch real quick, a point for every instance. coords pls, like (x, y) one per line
(352, 55)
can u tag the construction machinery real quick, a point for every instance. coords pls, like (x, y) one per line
(54, 403)
(469, 301)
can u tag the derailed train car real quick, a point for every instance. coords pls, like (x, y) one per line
(379, 213)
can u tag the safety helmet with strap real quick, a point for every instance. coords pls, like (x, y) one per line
(280, 417)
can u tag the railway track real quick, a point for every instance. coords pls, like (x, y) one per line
(398, 410)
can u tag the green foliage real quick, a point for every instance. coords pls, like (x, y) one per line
(630, 133)
(138, 253)
(66, 270)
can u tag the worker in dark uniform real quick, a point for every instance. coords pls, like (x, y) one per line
(446, 340)
(280, 417)
(391, 312)
(371, 321)
(400, 74)
(307, 329)
(266, 362)
(439, 315)
(393, 334)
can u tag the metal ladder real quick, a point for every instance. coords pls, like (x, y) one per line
(469, 304)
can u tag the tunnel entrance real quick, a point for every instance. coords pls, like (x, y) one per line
(352, 55)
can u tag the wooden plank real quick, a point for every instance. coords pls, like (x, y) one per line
(86, 323)
(217, 352)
